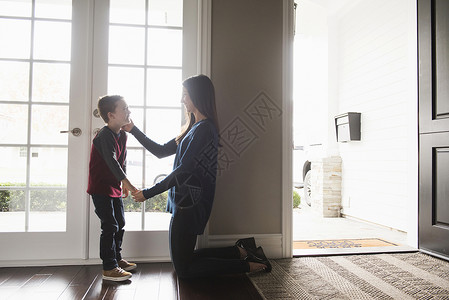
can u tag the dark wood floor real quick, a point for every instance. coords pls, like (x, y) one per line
(149, 281)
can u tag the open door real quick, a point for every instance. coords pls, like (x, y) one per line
(433, 40)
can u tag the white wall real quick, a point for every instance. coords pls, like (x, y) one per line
(375, 74)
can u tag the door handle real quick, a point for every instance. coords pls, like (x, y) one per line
(74, 131)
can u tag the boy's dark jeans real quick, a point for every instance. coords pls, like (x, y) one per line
(112, 216)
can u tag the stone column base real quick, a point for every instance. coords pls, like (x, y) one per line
(326, 186)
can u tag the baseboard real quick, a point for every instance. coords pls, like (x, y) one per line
(74, 262)
(271, 243)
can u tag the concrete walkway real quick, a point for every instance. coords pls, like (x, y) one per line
(308, 226)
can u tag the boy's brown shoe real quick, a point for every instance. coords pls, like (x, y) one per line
(116, 274)
(127, 266)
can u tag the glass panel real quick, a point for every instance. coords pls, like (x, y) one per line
(13, 162)
(15, 8)
(54, 9)
(51, 82)
(157, 168)
(13, 123)
(15, 43)
(164, 47)
(165, 12)
(48, 167)
(45, 35)
(163, 124)
(127, 82)
(14, 78)
(157, 220)
(134, 167)
(126, 45)
(164, 87)
(133, 215)
(127, 11)
(46, 123)
(137, 117)
(12, 210)
(48, 210)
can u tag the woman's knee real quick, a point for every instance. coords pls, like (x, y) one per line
(183, 272)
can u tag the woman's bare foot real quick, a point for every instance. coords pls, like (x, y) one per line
(255, 267)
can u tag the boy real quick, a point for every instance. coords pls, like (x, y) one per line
(107, 177)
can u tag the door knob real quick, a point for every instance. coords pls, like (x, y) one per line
(74, 131)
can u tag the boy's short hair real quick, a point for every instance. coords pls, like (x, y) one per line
(107, 104)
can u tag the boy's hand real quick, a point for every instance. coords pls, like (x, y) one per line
(129, 126)
(125, 192)
(127, 187)
(138, 196)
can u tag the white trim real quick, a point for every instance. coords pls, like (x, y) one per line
(271, 243)
(74, 262)
(204, 37)
(204, 67)
(287, 129)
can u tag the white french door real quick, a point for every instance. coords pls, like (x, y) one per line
(138, 54)
(42, 171)
(56, 59)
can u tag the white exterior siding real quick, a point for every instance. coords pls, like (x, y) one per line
(374, 57)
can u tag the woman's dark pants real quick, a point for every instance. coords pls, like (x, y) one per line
(191, 263)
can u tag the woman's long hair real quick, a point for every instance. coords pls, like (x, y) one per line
(202, 93)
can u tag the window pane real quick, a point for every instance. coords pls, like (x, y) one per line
(126, 45)
(137, 117)
(48, 167)
(157, 168)
(46, 123)
(13, 123)
(54, 9)
(133, 215)
(127, 82)
(157, 220)
(164, 47)
(14, 81)
(134, 167)
(48, 210)
(15, 43)
(163, 124)
(45, 35)
(164, 87)
(51, 82)
(12, 211)
(13, 162)
(127, 11)
(165, 12)
(15, 8)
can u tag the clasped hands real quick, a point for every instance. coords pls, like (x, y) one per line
(136, 194)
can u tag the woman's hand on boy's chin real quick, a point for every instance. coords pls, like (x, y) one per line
(128, 127)
(138, 196)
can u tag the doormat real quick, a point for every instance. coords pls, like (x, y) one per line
(373, 276)
(346, 243)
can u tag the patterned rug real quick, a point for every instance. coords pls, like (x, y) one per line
(373, 276)
(346, 243)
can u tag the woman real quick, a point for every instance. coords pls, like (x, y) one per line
(191, 187)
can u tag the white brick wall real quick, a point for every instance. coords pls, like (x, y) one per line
(376, 77)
